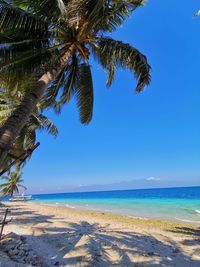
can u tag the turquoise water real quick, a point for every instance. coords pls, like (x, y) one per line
(180, 204)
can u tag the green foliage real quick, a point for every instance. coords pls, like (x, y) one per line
(35, 34)
(12, 183)
(112, 54)
(107, 16)
(37, 121)
(49, 10)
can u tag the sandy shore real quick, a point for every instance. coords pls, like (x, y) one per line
(69, 237)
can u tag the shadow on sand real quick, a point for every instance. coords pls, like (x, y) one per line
(86, 244)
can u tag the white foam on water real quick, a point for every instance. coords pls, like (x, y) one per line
(69, 206)
(197, 211)
(185, 220)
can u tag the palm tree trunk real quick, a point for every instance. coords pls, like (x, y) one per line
(15, 123)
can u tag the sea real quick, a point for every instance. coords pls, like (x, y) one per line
(177, 204)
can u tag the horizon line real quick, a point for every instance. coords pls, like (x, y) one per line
(136, 189)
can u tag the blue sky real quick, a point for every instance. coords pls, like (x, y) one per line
(134, 141)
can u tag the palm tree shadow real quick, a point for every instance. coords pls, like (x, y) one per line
(85, 244)
(192, 237)
(24, 216)
(90, 244)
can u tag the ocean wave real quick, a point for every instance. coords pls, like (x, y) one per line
(69, 206)
(197, 211)
(186, 220)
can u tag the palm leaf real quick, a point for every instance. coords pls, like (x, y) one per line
(13, 183)
(71, 76)
(84, 93)
(104, 16)
(24, 23)
(43, 123)
(50, 10)
(23, 71)
(37, 121)
(116, 15)
(111, 53)
(65, 84)
(49, 98)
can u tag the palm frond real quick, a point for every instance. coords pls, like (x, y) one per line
(84, 93)
(3, 185)
(70, 82)
(13, 49)
(19, 52)
(4, 38)
(49, 98)
(111, 53)
(75, 80)
(24, 23)
(23, 71)
(104, 15)
(13, 183)
(63, 88)
(37, 121)
(50, 10)
(43, 123)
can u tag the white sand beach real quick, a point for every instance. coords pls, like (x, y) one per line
(67, 237)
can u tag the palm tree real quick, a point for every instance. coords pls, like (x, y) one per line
(27, 137)
(12, 183)
(48, 44)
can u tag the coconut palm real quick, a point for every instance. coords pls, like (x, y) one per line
(49, 44)
(27, 137)
(12, 183)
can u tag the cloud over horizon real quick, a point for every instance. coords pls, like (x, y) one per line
(152, 178)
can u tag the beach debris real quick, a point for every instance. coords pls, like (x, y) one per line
(19, 250)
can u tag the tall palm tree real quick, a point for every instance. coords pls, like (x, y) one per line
(27, 137)
(12, 183)
(49, 43)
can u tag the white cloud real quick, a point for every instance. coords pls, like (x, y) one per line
(82, 185)
(152, 178)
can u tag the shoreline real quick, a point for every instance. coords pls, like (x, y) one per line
(165, 219)
(71, 237)
(124, 217)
